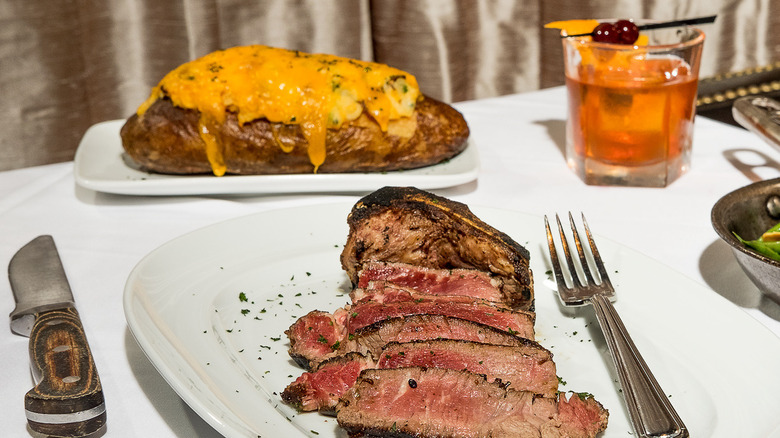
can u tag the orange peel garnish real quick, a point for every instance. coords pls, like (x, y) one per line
(573, 27)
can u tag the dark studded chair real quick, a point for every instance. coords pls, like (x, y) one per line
(717, 93)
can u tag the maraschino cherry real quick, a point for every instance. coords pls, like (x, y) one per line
(620, 32)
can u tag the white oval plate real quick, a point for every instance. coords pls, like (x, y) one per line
(100, 165)
(227, 358)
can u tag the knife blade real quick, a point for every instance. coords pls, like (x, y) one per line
(67, 400)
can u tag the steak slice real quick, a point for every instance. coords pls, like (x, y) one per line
(432, 402)
(467, 282)
(408, 225)
(402, 303)
(381, 291)
(371, 340)
(320, 390)
(526, 367)
(314, 336)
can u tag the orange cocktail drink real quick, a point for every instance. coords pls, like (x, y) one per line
(631, 108)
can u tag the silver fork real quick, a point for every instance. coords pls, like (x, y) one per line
(649, 409)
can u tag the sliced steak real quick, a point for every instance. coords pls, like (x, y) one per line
(433, 402)
(308, 349)
(467, 282)
(408, 225)
(314, 336)
(526, 367)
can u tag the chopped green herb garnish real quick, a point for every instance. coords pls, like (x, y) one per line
(584, 395)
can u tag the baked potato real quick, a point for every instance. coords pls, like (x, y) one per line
(260, 110)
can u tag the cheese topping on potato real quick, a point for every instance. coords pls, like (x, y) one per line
(315, 91)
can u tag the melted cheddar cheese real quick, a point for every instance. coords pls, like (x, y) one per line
(314, 91)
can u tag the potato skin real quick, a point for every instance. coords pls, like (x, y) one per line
(166, 140)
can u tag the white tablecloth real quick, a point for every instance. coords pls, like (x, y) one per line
(520, 140)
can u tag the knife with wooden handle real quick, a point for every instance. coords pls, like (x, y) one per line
(67, 400)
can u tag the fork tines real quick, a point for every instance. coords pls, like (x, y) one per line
(580, 290)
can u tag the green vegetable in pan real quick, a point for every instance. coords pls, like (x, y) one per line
(768, 244)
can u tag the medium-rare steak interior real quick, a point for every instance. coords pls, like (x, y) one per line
(449, 282)
(434, 402)
(438, 337)
(525, 367)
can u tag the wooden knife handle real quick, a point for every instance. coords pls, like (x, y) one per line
(68, 398)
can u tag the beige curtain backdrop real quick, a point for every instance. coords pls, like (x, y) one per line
(68, 64)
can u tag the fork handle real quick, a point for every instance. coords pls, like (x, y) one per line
(649, 409)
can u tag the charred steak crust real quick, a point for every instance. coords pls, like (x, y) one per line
(409, 225)
(166, 140)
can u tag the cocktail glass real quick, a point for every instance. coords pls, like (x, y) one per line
(631, 107)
